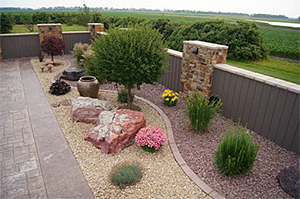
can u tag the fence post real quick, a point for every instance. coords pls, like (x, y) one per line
(49, 29)
(197, 65)
(94, 28)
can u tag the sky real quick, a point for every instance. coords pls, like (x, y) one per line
(290, 8)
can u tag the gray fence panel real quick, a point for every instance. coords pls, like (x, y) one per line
(20, 45)
(72, 38)
(171, 79)
(268, 110)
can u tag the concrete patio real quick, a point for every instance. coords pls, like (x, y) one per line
(35, 159)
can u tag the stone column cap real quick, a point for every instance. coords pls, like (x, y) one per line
(49, 24)
(90, 24)
(206, 44)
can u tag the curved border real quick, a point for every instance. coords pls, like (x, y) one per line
(188, 171)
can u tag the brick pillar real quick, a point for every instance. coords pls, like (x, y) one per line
(197, 65)
(94, 28)
(49, 29)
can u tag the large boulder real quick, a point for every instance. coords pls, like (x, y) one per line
(85, 109)
(289, 180)
(116, 129)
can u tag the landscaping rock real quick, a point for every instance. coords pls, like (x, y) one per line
(73, 74)
(289, 180)
(87, 110)
(59, 88)
(116, 130)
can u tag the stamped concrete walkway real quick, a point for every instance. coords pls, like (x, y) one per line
(35, 159)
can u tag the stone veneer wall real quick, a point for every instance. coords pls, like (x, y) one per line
(49, 29)
(94, 28)
(197, 67)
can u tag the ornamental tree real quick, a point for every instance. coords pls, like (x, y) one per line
(130, 57)
(53, 45)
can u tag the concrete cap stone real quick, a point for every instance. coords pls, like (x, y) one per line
(175, 53)
(206, 44)
(49, 24)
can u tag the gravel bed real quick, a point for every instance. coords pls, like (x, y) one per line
(162, 177)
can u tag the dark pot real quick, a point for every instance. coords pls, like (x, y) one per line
(88, 86)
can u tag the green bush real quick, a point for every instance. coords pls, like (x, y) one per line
(130, 57)
(78, 51)
(243, 39)
(6, 23)
(200, 111)
(122, 96)
(126, 174)
(236, 152)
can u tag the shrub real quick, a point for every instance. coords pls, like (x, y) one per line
(170, 98)
(151, 138)
(122, 96)
(236, 152)
(53, 45)
(243, 39)
(78, 51)
(126, 174)
(130, 57)
(200, 111)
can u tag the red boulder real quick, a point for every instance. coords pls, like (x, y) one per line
(116, 130)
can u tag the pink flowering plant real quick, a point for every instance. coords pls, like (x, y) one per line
(150, 138)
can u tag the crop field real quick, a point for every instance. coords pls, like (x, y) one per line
(283, 43)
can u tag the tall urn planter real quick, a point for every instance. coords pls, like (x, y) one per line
(88, 86)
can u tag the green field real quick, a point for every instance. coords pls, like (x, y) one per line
(23, 28)
(284, 43)
(274, 67)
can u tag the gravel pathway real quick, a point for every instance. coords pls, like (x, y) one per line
(198, 151)
(162, 177)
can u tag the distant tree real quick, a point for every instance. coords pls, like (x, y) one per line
(84, 16)
(130, 57)
(7, 23)
(299, 18)
(53, 45)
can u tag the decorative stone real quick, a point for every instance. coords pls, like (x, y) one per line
(59, 88)
(73, 74)
(289, 180)
(49, 29)
(116, 130)
(87, 110)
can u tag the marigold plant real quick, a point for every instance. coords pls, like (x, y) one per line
(170, 98)
(151, 138)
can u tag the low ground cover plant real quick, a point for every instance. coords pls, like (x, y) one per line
(201, 110)
(236, 151)
(170, 98)
(126, 174)
(151, 138)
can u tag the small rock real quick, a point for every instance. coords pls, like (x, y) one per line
(55, 105)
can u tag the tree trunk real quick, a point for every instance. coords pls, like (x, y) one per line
(51, 57)
(129, 98)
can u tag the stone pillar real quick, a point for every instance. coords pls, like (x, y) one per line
(197, 65)
(49, 29)
(94, 28)
(1, 56)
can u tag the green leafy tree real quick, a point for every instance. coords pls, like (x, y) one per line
(130, 57)
(7, 23)
(84, 15)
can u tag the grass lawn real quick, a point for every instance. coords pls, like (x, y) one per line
(274, 67)
(23, 29)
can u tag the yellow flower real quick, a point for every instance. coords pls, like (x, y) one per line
(167, 99)
(176, 93)
(173, 94)
(173, 99)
